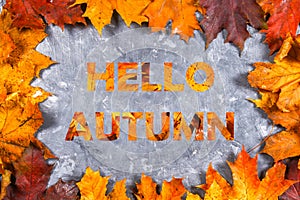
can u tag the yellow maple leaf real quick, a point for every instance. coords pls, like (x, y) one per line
(100, 12)
(182, 14)
(283, 77)
(92, 186)
(246, 183)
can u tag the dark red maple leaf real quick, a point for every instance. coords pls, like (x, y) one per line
(292, 173)
(27, 13)
(232, 15)
(32, 175)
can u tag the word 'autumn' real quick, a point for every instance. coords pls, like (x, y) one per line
(123, 76)
(79, 126)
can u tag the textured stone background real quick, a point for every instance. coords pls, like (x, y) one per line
(70, 49)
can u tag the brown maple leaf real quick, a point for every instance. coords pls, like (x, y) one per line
(62, 191)
(293, 173)
(232, 15)
(181, 13)
(27, 13)
(283, 21)
(100, 11)
(246, 183)
(32, 174)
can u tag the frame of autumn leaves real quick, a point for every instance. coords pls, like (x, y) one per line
(23, 167)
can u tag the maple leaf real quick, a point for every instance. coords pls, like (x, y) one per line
(93, 187)
(232, 15)
(283, 21)
(27, 13)
(213, 176)
(246, 183)
(293, 173)
(172, 190)
(181, 13)
(283, 77)
(146, 189)
(100, 11)
(32, 174)
(291, 147)
(62, 191)
(119, 191)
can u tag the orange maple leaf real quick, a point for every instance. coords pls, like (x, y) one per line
(246, 183)
(284, 20)
(146, 189)
(100, 11)
(181, 13)
(119, 191)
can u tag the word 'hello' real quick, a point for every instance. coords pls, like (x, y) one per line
(123, 76)
(79, 126)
